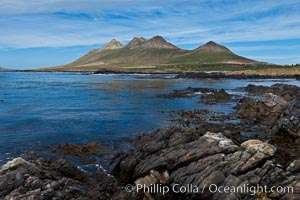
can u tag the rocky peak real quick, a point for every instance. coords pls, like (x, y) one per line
(212, 46)
(155, 42)
(158, 42)
(113, 44)
(135, 42)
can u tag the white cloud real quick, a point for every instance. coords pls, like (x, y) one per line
(34, 23)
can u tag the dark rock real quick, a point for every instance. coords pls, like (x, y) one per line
(201, 160)
(294, 166)
(187, 93)
(276, 112)
(80, 150)
(278, 109)
(218, 95)
(66, 169)
(41, 179)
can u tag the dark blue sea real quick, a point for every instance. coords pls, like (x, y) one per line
(42, 109)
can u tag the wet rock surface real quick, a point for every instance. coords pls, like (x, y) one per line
(218, 95)
(185, 156)
(187, 93)
(207, 95)
(276, 111)
(46, 179)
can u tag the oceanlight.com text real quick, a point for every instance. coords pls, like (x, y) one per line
(212, 188)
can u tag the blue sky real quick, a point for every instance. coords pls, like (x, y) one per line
(35, 33)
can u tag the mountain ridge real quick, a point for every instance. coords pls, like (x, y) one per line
(156, 51)
(158, 42)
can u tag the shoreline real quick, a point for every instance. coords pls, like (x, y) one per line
(208, 154)
(188, 75)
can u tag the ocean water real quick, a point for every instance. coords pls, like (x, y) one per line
(42, 109)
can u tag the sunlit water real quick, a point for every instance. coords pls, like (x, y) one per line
(41, 109)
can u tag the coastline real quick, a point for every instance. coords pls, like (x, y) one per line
(210, 154)
(149, 100)
(248, 74)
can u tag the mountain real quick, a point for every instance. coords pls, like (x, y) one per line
(113, 44)
(135, 42)
(142, 53)
(213, 53)
(213, 47)
(157, 42)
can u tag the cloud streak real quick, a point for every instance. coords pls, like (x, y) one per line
(66, 23)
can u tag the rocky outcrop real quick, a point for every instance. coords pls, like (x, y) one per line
(187, 93)
(187, 157)
(135, 42)
(204, 93)
(277, 111)
(41, 179)
(218, 95)
(113, 44)
(158, 42)
(181, 156)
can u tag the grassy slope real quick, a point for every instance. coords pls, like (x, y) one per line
(130, 56)
(126, 59)
(167, 60)
(122, 59)
(206, 57)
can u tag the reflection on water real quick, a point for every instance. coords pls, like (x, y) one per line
(40, 109)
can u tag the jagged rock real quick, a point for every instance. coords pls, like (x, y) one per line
(158, 42)
(277, 111)
(153, 177)
(66, 169)
(294, 166)
(135, 42)
(218, 95)
(204, 159)
(22, 165)
(113, 44)
(254, 146)
(205, 93)
(272, 100)
(41, 179)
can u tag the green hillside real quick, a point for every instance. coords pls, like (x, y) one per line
(141, 54)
